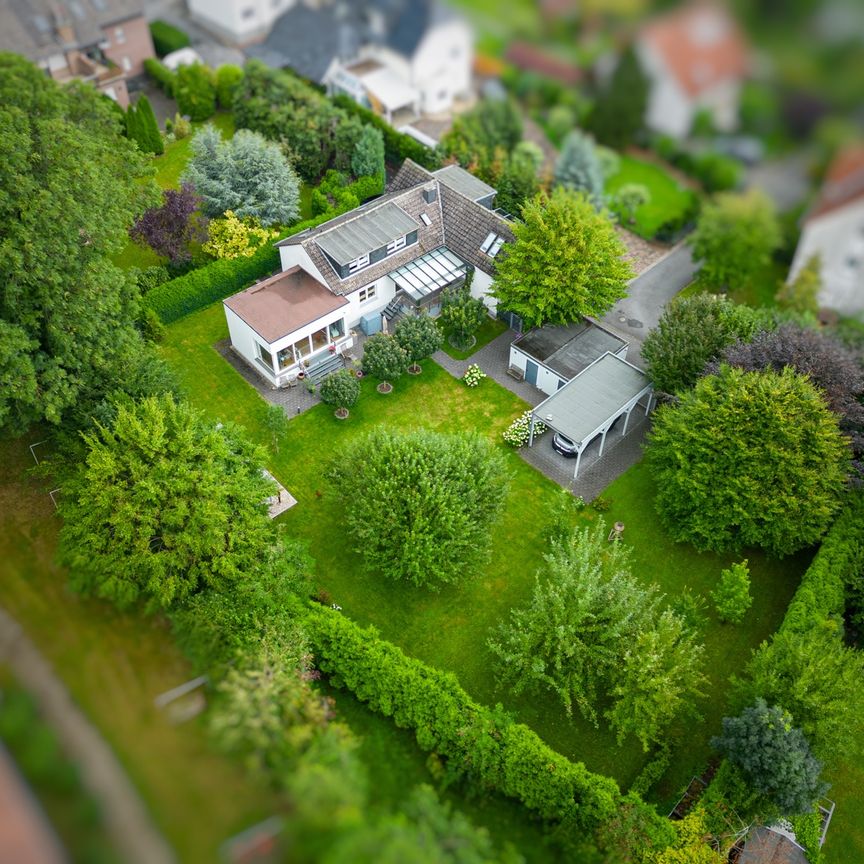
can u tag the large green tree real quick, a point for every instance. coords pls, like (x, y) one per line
(566, 262)
(619, 113)
(734, 238)
(424, 502)
(748, 459)
(70, 186)
(164, 504)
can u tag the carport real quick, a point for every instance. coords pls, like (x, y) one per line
(590, 403)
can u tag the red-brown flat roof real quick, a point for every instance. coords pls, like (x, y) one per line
(844, 182)
(526, 56)
(284, 303)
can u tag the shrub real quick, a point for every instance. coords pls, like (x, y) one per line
(195, 91)
(367, 159)
(162, 76)
(732, 595)
(473, 375)
(461, 314)
(340, 388)
(518, 432)
(167, 37)
(228, 81)
(235, 238)
(420, 336)
(182, 127)
(384, 357)
(629, 198)
(171, 228)
(425, 502)
(578, 167)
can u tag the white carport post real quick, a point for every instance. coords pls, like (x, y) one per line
(531, 431)
(578, 459)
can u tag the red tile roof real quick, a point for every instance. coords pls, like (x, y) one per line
(700, 44)
(843, 184)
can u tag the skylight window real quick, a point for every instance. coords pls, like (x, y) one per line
(492, 244)
(425, 219)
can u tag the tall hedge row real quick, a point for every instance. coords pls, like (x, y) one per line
(167, 37)
(484, 744)
(162, 76)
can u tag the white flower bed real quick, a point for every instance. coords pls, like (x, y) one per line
(473, 375)
(520, 430)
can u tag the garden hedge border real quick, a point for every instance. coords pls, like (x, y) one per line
(162, 76)
(167, 38)
(484, 744)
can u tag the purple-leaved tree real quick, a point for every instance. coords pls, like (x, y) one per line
(170, 229)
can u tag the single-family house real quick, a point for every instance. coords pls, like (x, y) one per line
(401, 58)
(237, 22)
(833, 229)
(696, 59)
(363, 270)
(103, 42)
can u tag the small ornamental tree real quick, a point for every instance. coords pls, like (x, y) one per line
(461, 315)
(228, 80)
(748, 459)
(420, 337)
(628, 199)
(231, 237)
(169, 230)
(578, 167)
(384, 358)
(773, 756)
(693, 331)
(164, 505)
(567, 261)
(425, 502)
(341, 389)
(619, 112)
(801, 294)
(734, 239)
(367, 160)
(519, 181)
(732, 595)
(141, 127)
(195, 91)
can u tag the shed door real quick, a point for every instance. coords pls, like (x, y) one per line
(531, 372)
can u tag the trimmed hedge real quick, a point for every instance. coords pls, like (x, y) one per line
(162, 76)
(397, 145)
(167, 37)
(484, 744)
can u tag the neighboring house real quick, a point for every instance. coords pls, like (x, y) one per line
(238, 22)
(401, 58)
(696, 59)
(104, 42)
(530, 58)
(390, 257)
(834, 229)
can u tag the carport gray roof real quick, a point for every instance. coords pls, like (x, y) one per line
(464, 182)
(581, 408)
(367, 232)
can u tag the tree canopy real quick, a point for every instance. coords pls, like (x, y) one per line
(748, 459)
(72, 185)
(164, 504)
(619, 113)
(578, 167)
(171, 228)
(566, 262)
(420, 337)
(384, 357)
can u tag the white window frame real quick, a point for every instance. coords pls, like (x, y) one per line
(492, 244)
(364, 295)
(127, 64)
(119, 36)
(397, 244)
(358, 263)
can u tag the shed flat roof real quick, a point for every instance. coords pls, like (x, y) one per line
(570, 348)
(596, 394)
(370, 230)
(284, 303)
(464, 182)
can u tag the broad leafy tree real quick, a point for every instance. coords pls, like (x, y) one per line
(384, 357)
(164, 505)
(748, 459)
(170, 229)
(195, 91)
(619, 113)
(566, 262)
(734, 239)
(232, 237)
(659, 679)
(578, 167)
(461, 314)
(519, 180)
(367, 160)
(72, 185)
(341, 389)
(247, 175)
(628, 199)
(475, 135)
(420, 337)
(732, 595)
(692, 332)
(423, 503)
(801, 295)
(774, 756)
(228, 80)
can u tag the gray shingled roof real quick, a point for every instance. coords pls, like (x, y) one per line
(459, 180)
(369, 231)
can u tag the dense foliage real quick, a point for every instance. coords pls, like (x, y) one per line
(566, 262)
(748, 459)
(732, 595)
(425, 502)
(692, 332)
(492, 125)
(170, 229)
(194, 88)
(228, 81)
(420, 337)
(774, 756)
(619, 113)
(247, 175)
(142, 128)
(367, 158)
(384, 357)
(801, 294)
(164, 504)
(71, 185)
(167, 37)
(461, 314)
(578, 167)
(340, 388)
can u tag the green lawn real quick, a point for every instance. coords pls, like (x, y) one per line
(170, 165)
(762, 290)
(490, 329)
(668, 198)
(114, 664)
(845, 840)
(449, 629)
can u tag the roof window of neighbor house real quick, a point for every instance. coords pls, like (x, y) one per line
(492, 244)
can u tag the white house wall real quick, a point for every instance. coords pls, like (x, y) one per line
(385, 291)
(243, 338)
(480, 287)
(669, 110)
(441, 66)
(722, 101)
(297, 256)
(239, 20)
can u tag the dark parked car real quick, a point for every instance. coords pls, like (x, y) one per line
(564, 445)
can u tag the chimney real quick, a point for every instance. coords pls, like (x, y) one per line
(430, 194)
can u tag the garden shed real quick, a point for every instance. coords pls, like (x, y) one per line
(589, 404)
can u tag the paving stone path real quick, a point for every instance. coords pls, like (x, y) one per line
(126, 818)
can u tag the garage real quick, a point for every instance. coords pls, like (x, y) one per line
(588, 405)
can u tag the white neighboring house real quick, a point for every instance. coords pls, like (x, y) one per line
(238, 21)
(696, 59)
(363, 270)
(834, 229)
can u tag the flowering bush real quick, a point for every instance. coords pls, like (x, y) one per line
(518, 432)
(473, 375)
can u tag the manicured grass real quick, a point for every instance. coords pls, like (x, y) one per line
(845, 840)
(135, 255)
(490, 329)
(170, 165)
(114, 664)
(449, 629)
(762, 290)
(668, 198)
(306, 201)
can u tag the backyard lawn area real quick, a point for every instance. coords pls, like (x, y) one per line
(668, 198)
(449, 629)
(490, 329)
